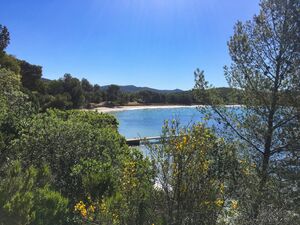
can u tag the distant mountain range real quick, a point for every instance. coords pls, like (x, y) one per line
(132, 89)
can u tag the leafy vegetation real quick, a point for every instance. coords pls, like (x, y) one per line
(52, 161)
(26, 197)
(61, 166)
(265, 65)
(193, 175)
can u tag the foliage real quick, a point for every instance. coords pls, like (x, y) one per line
(135, 187)
(4, 38)
(150, 97)
(69, 142)
(193, 169)
(94, 179)
(248, 175)
(97, 120)
(69, 92)
(127, 199)
(25, 198)
(31, 76)
(113, 93)
(59, 101)
(265, 66)
(15, 108)
(60, 142)
(9, 62)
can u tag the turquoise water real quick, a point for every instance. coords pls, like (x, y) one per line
(149, 122)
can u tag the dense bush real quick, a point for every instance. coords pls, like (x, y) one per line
(26, 197)
(14, 110)
(126, 197)
(97, 120)
(61, 143)
(89, 160)
(193, 175)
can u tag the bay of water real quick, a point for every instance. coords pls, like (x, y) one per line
(149, 122)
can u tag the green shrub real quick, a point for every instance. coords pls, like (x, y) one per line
(62, 139)
(26, 197)
(97, 120)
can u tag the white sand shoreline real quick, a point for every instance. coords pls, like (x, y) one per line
(146, 107)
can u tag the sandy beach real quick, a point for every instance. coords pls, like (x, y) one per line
(104, 109)
(125, 108)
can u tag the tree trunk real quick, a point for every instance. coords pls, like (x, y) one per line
(268, 142)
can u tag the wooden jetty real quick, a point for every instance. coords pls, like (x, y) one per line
(138, 141)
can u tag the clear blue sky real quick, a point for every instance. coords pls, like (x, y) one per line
(156, 43)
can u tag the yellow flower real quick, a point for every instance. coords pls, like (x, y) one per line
(222, 187)
(79, 206)
(219, 202)
(234, 204)
(83, 210)
(184, 140)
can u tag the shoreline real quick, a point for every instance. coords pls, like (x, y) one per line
(146, 107)
(143, 107)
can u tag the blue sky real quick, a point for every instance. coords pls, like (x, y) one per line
(155, 43)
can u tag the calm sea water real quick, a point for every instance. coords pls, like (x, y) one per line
(149, 122)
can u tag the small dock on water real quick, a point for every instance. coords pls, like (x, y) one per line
(138, 141)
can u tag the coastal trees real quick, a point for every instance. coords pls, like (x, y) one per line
(30, 75)
(73, 87)
(7, 61)
(87, 89)
(68, 93)
(150, 97)
(265, 66)
(112, 93)
(66, 142)
(97, 94)
(4, 38)
(193, 171)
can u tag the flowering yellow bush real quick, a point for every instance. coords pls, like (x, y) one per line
(81, 208)
(190, 162)
(129, 175)
(87, 212)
